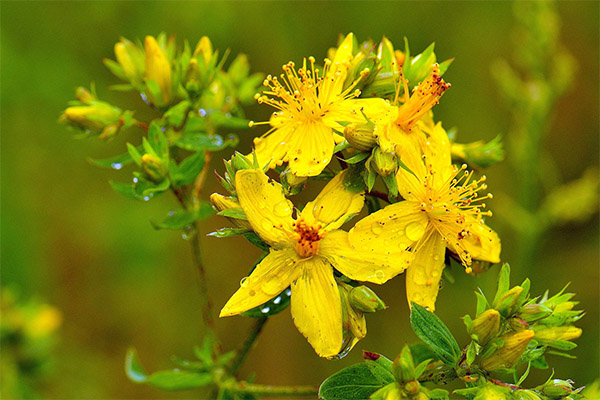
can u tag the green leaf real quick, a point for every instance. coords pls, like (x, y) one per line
(176, 114)
(355, 382)
(126, 189)
(228, 121)
(168, 380)
(185, 173)
(236, 213)
(357, 158)
(380, 372)
(145, 189)
(204, 142)
(431, 330)
(253, 238)
(116, 162)
(228, 232)
(503, 282)
(181, 218)
(525, 375)
(134, 153)
(471, 352)
(157, 140)
(421, 352)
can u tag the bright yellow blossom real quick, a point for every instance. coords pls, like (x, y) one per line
(303, 253)
(158, 70)
(442, 209)
(311, 104)
(398, 127)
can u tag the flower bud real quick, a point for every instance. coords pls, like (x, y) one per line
(354, 324)
(95, 117)
(479, 154)
(534, 312)
(158, 70)
(412, 387)
(360, 136)
(557, 388)
(389, 392)
(485, 326)
(385, 163)
(204, 48)
(84, 95)
(364, 299)
(221, 203)
(513, 346)
(404, 366)
(518, 324)
(153, 167)
(564, 333)
(130, 58)
(240, 161)
(526, 395)
(506, 304)
(291, 183)
(492, 392)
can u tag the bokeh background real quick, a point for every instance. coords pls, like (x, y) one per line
(69, 239)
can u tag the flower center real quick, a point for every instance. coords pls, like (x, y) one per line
(451, 203)
(307, 238)
(306, 94)
(424, 96)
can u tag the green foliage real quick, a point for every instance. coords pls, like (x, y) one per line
(431, 330)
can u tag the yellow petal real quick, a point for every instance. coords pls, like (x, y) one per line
(158, 68)
(481, 242)
(311, 148)
(316, 307)
(344, 50)
(424, 274)
(270, 277)
(335, 204)
(362, 264)
(273, 147)
(267, 209)
(393, 228)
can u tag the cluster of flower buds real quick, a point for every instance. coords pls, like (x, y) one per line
(94, 116)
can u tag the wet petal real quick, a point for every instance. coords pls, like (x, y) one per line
(424, 274)
(334, 205)
(481, 242)
(363, 264)
(267, 209)
(393, 228)
(316, 307)
(272, 147)
(311, 148)
(270, 277)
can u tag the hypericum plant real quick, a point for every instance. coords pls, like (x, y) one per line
(508, 333)
(362, 123)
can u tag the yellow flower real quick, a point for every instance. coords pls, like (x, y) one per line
(398, 128)
(303, 253)
(442, 209)
(311, 104)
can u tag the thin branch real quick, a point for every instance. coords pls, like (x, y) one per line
(269, 390)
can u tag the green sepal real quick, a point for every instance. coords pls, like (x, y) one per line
(166, 380)
(471, 352)
(503, 282)
(356, 158)
(228, 232)
(145, 188)
(431, 330)
(253, 238)
(237, 213)
(134, 153)
(126, 189)
(176, 114)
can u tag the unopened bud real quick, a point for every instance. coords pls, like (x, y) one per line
(526, 395)
(158, 70)
(391, 391)
(518, 324)
(404, 366)
(385, 163)
(513, 346)
(292, 184)
(153, 167)
(564, 333)
(354, 324)
(558, 388)
(534, 312)
(506, 304)
(221, 203)
(412, 387)
(110, 131)
(95, 117)
(364, 299)
(204, 48)
(84, 96)
(360, 136)
(493, 392)
(479, 154)
(485, 326)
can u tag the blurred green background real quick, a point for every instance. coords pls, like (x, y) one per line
(69, 239)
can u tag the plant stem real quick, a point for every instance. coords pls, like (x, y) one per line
(269, 390)
(247, 345)
(205, 303)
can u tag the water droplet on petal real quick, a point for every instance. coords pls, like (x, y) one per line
(379, 274)
(251, 293)
(415, 230)
(271, 286)
(244, 282)
(267, 225)
(376, 228)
